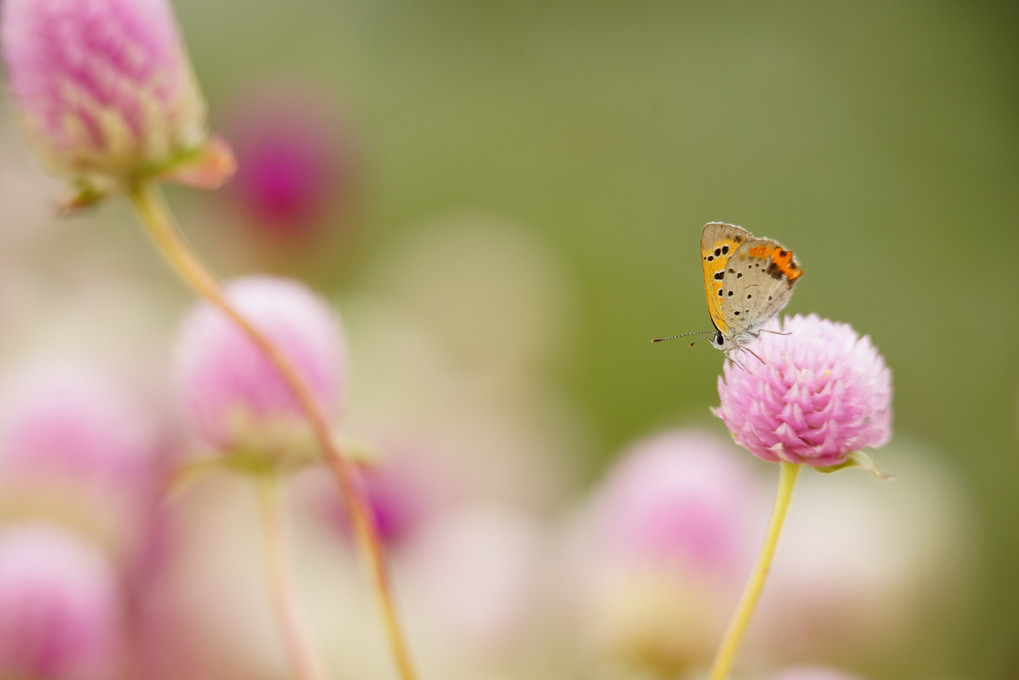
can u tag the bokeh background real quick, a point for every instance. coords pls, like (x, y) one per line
(504, 203)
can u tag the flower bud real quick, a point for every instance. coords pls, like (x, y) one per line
(60, 611)
(107, 94)
(234, 397)
(77, 449)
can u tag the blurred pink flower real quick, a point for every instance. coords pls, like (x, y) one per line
(667, 544)
(74, 444)
(818, 394)
(231, 393)
(60, 610)
(104, 87)
(813, 673)
(293, 162)
(683, 497)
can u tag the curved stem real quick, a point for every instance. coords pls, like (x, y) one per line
(281, 581)
(157, 219)
(752, 590)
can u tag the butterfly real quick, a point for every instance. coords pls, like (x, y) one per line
(747, 281)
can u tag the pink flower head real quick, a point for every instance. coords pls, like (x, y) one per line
(60, 610)
(817, 394)
(681, 497)
(231, 392)
(105, 87)
(293, 162)
(73, 443)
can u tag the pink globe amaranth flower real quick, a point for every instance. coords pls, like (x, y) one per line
(106, 91)
(680, 497)
(60, 608)
(816, 395)
(295, 162)
(75, 445)
(231, 393)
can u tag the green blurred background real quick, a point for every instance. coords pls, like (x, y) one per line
(879, 140)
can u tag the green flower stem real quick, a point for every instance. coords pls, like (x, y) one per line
(752, 591)
(156, 217)
(306, 664)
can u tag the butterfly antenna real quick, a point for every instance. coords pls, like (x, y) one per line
(683, 335)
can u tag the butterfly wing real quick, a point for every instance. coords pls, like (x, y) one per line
(718, 242)
(755, 285)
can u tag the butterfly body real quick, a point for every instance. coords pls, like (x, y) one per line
(747, 281)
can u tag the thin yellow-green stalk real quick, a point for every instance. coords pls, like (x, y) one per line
(748, 600)
(281, 581)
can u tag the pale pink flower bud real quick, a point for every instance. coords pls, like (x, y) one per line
(106, 91)
(60, 609)
(817, 394)
(231, 393)
(75, 446)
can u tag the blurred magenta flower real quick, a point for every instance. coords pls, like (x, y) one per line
(107, 93)
(399, 482)
(60, 609)
(295, 162)
(76, 445)
(232, 394)
(819, 394)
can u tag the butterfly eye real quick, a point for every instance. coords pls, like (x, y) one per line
(719, 340)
